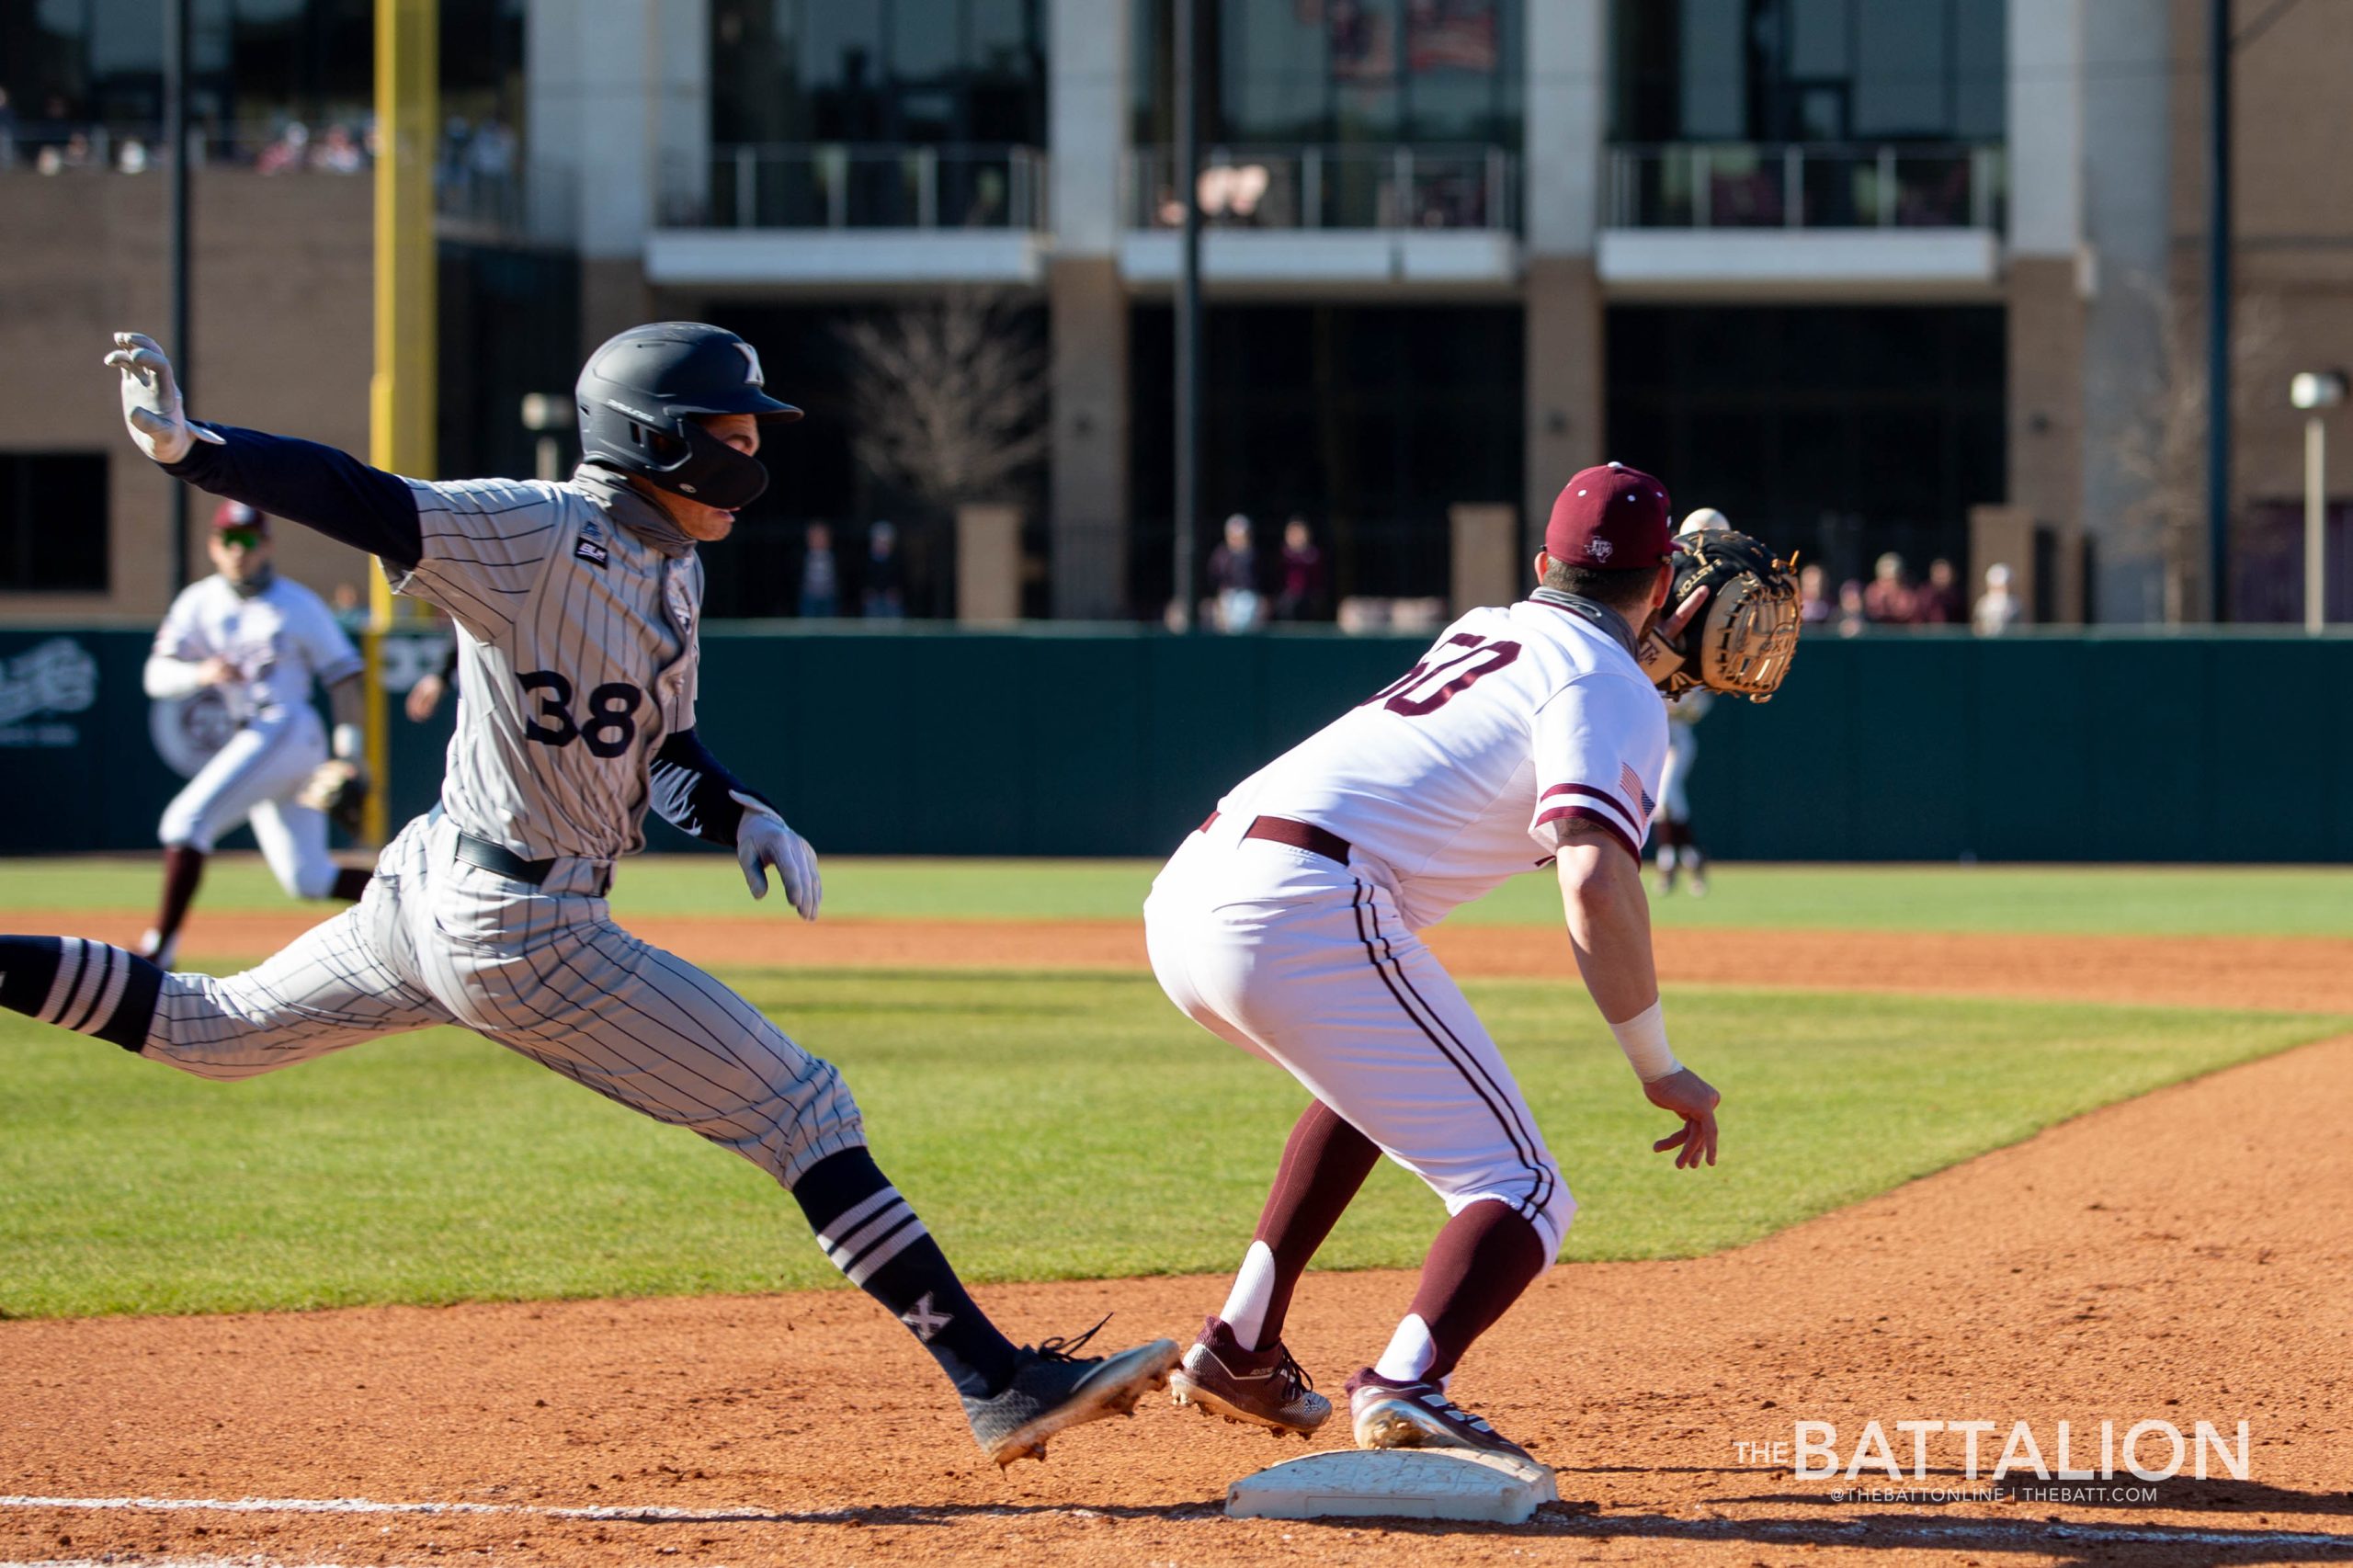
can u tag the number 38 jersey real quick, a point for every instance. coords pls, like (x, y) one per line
(1462, 772)
(576, 657)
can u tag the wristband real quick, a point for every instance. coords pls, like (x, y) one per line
(1643, 1039)
(349, 743)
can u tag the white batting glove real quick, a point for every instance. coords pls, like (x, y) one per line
(151, 400)
(762, 840)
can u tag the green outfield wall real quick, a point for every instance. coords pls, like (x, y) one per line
(1094, 741)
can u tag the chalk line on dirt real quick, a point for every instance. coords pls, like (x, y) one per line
(1961, 1532)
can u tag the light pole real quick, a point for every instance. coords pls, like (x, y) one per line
(2314, 391)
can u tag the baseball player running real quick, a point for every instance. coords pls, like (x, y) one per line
(575, 606)
(1287, 924)
(261, 640)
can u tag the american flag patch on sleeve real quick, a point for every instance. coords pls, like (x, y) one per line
(1631, 783)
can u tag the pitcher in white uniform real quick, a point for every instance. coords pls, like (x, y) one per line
(260, 638)
(1288, 926)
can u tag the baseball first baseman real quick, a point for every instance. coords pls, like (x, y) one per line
(1289, 925)
(260, 640)
(575, 606)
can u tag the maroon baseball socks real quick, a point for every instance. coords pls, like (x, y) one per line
(1483, 1258)
(183, 870)
(1324, 1162)
(873, 1237)
(79, 985)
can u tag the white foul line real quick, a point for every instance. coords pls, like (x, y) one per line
(1846, 1530)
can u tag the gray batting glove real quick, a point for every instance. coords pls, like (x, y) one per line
(151, 400)
(762, 840)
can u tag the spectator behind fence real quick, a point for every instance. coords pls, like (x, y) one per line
(338, 152)
(8, 132)
(886, 591)
(821, 581)
(1940, 602)
(350, 607)
(1815, 607)
(1303, 592)
(1890, 601)
(1852, 616)
(1234, 577)
(1998, 608)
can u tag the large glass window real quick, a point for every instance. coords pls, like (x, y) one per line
(1838, 431)
(1808, 70)
(1318, 70)
(53, 522)
(879, 71)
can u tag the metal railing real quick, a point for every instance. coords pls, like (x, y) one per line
(1750, 185)
(1313, 187)
(838, 186)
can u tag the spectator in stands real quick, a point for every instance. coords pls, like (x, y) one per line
(1303, 592)
(886, 592)
(338, 152)
(1815, 608)
(350, 607)
(1998, 608)
(290, 150)
(1852, 616)
(491, 154)
(1940, 602)
(821, 582)
(132, 159)
(1234, 577)
(8, 132)
(1890, 601)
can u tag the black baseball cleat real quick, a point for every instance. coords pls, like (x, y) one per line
(1389, 1414)
(1053, 1389)
(1264, 1388)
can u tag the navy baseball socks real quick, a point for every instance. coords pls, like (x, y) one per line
(1014, 1396)
(873, 1237)
(80, 985)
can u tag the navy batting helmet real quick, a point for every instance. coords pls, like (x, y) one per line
(641, 393)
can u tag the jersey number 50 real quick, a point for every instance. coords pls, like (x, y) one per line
(1432, 684)
(611, 723)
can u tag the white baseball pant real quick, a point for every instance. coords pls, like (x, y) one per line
(1305, 962)
(542, 970)
(1674, 778)
(254, 778)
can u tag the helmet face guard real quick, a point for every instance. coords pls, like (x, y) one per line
(642, 398)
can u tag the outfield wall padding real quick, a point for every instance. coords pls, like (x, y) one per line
(1089, 742)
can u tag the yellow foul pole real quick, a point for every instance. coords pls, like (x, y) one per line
(401, 393)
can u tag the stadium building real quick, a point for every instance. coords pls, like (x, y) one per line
(1921, 276)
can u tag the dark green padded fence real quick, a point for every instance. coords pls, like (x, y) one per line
(1109, 742)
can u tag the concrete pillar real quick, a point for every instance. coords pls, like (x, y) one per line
(988, 563)
(609, 126)
(1567, 87)
(1089, 66)
(1488, 569)
(2049, 270)
(1564, 375)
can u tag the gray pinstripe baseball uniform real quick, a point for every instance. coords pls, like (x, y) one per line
(576, 605)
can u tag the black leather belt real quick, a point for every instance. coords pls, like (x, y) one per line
(499, 860)
(1297, 834)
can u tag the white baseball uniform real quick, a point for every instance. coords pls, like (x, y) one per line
(1303, 947)
(279, 640)
(1683, 716)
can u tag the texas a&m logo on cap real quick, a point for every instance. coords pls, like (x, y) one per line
(1613, 517)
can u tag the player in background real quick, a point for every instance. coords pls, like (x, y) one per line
(1677, 850)
(261, 639)
(1289, 925)
(575, 606)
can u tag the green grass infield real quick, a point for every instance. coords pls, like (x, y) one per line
(1046, 1127)
(2291, 901)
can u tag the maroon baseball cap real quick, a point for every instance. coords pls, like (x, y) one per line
(237, 515)
(1611, 519)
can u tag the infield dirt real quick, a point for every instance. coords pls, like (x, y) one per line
(2180, 1258)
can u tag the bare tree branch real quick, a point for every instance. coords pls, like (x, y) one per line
(2164, 447)
(948, 396)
